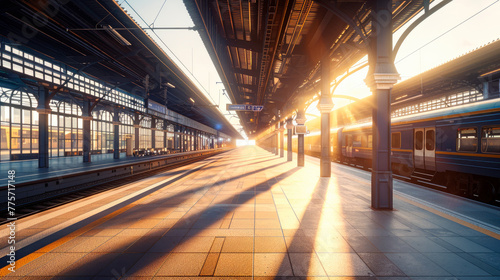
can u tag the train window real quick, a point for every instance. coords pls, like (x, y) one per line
(348, 140)
(490, 140)
(419, 140)
(467, 140)
(357, 141)
(396, 140)
(429, 140)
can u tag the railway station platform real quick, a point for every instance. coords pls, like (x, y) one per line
(27, 170)
(247, 213)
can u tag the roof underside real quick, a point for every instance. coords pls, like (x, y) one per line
(268, 52)
(141, 68)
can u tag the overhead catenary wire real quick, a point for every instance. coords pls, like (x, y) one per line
(449, 30)
(161, 8)
(166, 46)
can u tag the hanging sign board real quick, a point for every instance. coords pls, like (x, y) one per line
(244, 107)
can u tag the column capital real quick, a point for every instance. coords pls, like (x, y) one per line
(44, 111)
(87, 118)
(382, 80)
(117, 123)
(325, 107)
(137, 126)
(300, 120)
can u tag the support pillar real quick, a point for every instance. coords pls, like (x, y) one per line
(116, 135)
(137, 127)
(165, 134)
(282, 139)
(179, 130)
(153, 133)
(276, 139)
(289, 126)
(218, 139)
(382, 75)
(325, 106)
(86, 117)
(43, 110)
(176, 138)
(195, 141)
(300, 130)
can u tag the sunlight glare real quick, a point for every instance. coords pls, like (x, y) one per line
(246, 142)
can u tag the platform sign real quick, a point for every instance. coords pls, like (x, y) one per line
(244, 107)
(156, 109)
(300, 129)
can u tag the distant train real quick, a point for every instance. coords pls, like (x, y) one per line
(456, 148)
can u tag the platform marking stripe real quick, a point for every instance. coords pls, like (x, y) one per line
(42, 217)
(154, 183)
(42, 251)
(450, 217)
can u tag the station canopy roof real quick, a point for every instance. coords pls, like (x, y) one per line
(99, 38)
(268, 52)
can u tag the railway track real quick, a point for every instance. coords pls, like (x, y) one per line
(28, 209)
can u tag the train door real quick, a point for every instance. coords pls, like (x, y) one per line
(424, 148)
(348, 145)
(430, 148)
(418, 148)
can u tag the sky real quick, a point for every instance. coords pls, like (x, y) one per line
(459, 27)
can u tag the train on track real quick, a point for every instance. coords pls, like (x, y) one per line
(456, 149)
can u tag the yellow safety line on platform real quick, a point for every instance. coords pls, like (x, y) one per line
(42, 251)
(450, 217)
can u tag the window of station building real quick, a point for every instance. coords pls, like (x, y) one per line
(159, 134)
(396, 140)
(419, 140)
(65, 129)
(490, 140)
(145, 133)
(19, 125)
(467, 139)
(102, 132)
(170, 136)
(57, 73)
(126, 130)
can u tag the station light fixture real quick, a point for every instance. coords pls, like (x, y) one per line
(192, 100)
(170, 85)
(117, 36)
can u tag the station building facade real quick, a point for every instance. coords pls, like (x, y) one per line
(76, 97)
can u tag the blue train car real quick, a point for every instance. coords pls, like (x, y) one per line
(456, 148)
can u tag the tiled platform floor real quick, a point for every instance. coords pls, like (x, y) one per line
(249, 214)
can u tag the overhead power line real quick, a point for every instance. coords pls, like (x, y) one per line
(464, 21)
